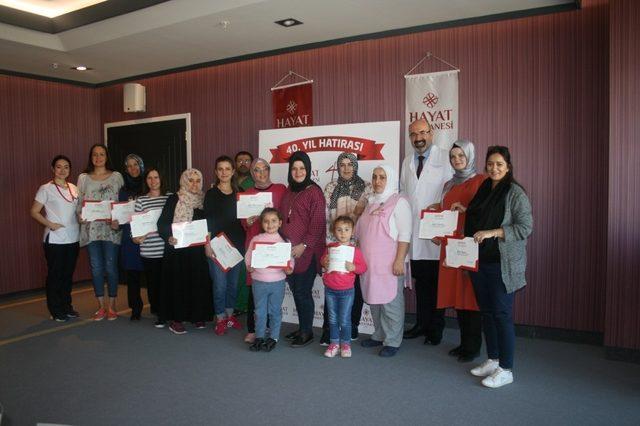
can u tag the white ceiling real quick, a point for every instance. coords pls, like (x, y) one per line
(180, 33)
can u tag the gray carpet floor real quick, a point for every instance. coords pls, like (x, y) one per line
(124, 373)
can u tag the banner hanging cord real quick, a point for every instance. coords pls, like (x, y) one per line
(430, 55)
(287, 75)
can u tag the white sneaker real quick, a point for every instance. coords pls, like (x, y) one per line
(486, 368)
(499, 378)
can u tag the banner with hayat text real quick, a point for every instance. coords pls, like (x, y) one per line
(292, 105)
(373, 143)
(434, 97)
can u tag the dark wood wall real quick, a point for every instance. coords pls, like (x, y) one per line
(538, 85)
(623, 289)
(38, 120)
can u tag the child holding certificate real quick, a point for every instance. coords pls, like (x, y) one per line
(342, 263)
(268, 283)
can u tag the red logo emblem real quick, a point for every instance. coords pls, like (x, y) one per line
(430, 100)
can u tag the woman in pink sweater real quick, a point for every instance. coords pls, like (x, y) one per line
(268, 283)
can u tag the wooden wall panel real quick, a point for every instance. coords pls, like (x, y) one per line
(38, 120)
(538, 85)
(623, 291)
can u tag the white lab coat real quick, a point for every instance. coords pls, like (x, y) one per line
(424, 192)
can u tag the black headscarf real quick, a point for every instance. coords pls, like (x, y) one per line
(486, 211)
(353, 187)
(299, 186)
(133, 185)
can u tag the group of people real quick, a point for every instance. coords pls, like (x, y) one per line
(378, 221)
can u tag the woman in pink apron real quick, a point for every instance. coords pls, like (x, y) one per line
(384, 233)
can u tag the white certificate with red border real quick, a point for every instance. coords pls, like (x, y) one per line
(461, 253)
(190, 233)
(122, 211)
(250, 205)
(96, 210)
(438, 224)
(227, 256)
(145, 223)
(271, 255)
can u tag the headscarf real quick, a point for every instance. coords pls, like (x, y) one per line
(460, 176)
(188, 201)
(390, 189)
(254, 163)
(133, 185)
(353, 187)
(299, 186)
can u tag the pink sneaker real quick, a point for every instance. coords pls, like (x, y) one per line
(112, 315)
(176, 327)
(99, 315)
(345, 350)
(332, 350)
(232, 322)
(221, 327)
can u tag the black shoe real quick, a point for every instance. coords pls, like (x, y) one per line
(457, 351)
(354, 333)
(416, 331)
(73, 314)
(324, 340)
(388, 351)
(159, 324)
(302, 340)
(433, 338)
(370, 343)
(60, 318)
(292, 335)
(467, 357)
(269, 344)
(134, 317)
(256, 345)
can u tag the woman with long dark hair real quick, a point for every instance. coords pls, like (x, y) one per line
(59, 199)
(151, 245)
(500, 221)
(100, 182)
(303, 212)
(221, 213)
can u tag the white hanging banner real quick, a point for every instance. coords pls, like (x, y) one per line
(373, 143)
(434, 97)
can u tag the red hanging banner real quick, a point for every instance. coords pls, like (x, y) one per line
(292, 106)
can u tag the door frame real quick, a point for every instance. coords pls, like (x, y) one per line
(185, 116)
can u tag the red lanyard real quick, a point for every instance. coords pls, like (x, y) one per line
(62, 195)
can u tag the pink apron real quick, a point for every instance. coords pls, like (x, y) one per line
(379, 285)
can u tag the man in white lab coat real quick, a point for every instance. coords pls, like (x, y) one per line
(424, 173)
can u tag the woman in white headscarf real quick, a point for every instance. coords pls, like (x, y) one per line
(384, 233)
(186, 287)
(454, 285)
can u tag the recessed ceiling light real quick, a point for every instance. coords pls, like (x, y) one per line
(81, 68)
(289, 22)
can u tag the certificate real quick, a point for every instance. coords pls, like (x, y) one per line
(338, 255)
(461, 253)
(252, 205)
(190, 233)
(271, 255)
(227, 256)
(96, 210)
(145, 223)
(438, 224)
(123, 211)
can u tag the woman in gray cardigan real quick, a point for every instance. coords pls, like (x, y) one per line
(499, 219)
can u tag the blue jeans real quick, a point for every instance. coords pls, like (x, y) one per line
(103, 257)
(339, 303)
(225, 286)
(496, 307)
(301, 286)
(268, 298)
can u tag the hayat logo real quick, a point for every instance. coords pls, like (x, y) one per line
(430, 100)
(291, 107)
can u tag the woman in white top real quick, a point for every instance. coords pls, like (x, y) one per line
(59, 200)
(100, 182)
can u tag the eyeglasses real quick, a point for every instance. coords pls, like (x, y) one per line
(244, 161)
(414, 135)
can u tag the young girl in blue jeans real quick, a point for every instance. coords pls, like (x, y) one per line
(339, 290)
(268, 284)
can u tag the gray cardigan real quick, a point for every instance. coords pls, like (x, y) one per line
(517, 226)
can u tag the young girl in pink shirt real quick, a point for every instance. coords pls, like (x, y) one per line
(268, 283)
(339, 289)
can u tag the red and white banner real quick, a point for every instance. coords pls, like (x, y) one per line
(292, 105)
(374, 143)
(434, 97)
